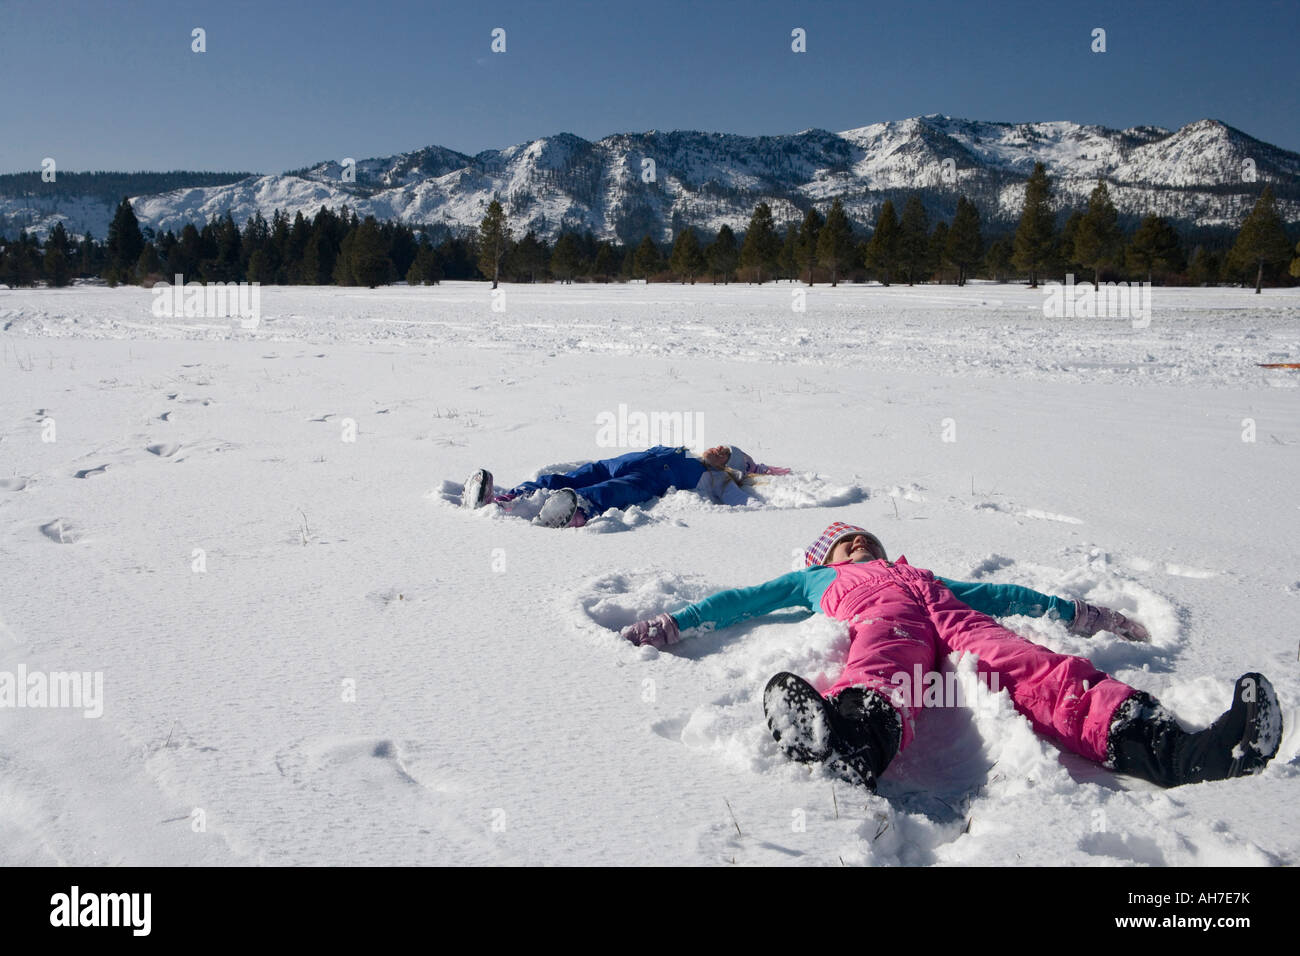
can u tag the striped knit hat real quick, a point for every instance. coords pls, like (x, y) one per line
(834, 533)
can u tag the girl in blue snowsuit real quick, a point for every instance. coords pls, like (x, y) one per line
(598, 486)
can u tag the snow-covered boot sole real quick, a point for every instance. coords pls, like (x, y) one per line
(479, 490)
(559, 509)
(805, 727)
(1261, 728)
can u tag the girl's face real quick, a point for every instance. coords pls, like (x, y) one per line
(716, 456)
(856, 548)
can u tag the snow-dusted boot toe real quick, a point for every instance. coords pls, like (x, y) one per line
(1147, 742)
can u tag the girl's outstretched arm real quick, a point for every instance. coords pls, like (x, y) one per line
(1004, 600)
(796, 589)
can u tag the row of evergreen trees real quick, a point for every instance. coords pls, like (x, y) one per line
(340, 248)
(331, 248)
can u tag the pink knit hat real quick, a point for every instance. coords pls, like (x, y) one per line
(835, 533)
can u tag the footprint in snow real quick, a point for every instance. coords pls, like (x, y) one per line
(13, 484)
(90, 472)
(395, 595)
(1036, 513)
(61, 531)
(163, 450)
(375, 761)
(1124, 847)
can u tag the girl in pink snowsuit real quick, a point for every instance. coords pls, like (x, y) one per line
(902, 619)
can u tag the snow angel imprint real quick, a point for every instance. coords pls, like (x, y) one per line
(902, 618)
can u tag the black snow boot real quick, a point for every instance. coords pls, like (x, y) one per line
(856, 735)
(1147, 742)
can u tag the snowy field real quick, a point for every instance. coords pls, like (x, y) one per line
(309, 655)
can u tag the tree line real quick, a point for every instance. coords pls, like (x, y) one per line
(343, 249)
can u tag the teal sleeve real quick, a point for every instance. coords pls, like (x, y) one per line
(796, 589)
(1004, 600)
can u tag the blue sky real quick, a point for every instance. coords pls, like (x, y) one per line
(114, 85)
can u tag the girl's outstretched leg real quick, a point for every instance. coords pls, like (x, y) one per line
(1065, 698)
(1147, 742)
(593, 472)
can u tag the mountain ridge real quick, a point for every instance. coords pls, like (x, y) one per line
(629, 184)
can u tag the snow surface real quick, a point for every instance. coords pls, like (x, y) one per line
(498, 717)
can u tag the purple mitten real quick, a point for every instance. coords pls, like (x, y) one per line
(659, 631)
(1089, 619)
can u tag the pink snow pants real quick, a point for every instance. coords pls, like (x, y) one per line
(901, 619)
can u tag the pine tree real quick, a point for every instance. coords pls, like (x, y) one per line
(1294, 270)
(913, 239)
(936, 256)
(528, 258)
(255, 237)
(761, 250)
(149, 264)
(835, 247)
(226, 265)
(1155, 245)
(295, 250)
(319, 255)
(1037, 229)
(606, 262)
(87, 256)
(1098, 242)
(564, 257)
(187, 254)
(277, 249)
(494, 241)
(425, 269)
(370, 263)
(1064, 258)
(647, 261)
(1261, 242)
(22, 266)
(1205, 267)
(965, 245)
(57, 271)
(997, 261)
(125, 241)
(687, 259)
(59, 239)
(723, 255)
(806, 250)
(882, 250)
(788, 260)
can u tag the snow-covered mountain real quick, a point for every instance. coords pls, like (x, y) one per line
(624, 186)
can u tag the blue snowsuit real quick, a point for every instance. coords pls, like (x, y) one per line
(628, 479)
